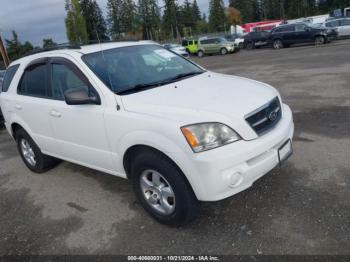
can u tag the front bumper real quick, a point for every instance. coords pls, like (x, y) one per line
(228, 170)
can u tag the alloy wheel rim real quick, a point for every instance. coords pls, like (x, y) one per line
(28, 152)
(157, 192)
(278, 44)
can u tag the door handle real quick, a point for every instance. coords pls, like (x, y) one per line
(18, 107)
(55, 113)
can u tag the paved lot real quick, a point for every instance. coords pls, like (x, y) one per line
(302, 208)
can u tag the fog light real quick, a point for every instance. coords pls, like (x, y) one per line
(236, 179)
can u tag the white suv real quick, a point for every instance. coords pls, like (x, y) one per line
(180, 133)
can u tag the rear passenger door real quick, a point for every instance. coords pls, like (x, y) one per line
(78, 129)
(345, 27)
(289, 35)
(32, 103)
(302, 33)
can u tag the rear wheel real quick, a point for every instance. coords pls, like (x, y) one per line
(200, 53)
(250, 45)
(162, 189)
(223, 51)
(320, 40)
(31, 154)
(278, 44)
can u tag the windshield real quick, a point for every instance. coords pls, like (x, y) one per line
(131, 68)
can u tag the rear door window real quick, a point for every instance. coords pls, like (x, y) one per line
(300, 28)
(34, 82)
(345, 22)
(10, 73)
(333, 23)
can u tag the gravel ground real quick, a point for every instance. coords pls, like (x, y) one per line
(301, 208)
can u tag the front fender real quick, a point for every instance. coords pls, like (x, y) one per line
(177, 152)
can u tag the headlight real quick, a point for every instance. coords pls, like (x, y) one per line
(206, 136)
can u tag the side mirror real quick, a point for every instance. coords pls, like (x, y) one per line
(307, 29)
(80, 96)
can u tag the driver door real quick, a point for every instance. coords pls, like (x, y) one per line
(79, 130)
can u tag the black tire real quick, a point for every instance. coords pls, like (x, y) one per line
(200, 53)
(241, 45)
(250, 45)
(42, 162)
(278, 44)
(320, 40)
(186, 203)
(223, 51)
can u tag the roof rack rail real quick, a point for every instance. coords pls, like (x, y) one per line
(52, 48)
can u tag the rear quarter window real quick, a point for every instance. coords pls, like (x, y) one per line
(10, 73)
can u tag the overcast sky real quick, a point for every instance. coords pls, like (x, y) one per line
(34, 20)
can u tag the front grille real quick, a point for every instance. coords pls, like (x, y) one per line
(266, 117)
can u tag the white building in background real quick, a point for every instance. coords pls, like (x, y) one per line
(318, 19)
(236, 30)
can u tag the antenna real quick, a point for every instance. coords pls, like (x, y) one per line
(106, 66)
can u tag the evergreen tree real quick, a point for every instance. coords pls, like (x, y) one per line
(15, 49)
(75, 23)
(122, 18)
(217, 18)
(129, 17)
(150, 18)
(170, 19)
(95, 23)
(247, 8)
(195, 10)
(115, 17)
(48, 42)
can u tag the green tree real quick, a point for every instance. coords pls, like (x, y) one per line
(130, 17)
(217, 18)
(95, 23)
(115, 15)
(149, 19)
(247, 8)
(122, 18)
(195, 11)
(75, 23)
(170, 19)
(15, 49)
(48, 42)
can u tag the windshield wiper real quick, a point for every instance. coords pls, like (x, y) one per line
(184, 75)
(142, 87)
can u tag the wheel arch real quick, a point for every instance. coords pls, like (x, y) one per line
(17, 125)
(132, 151)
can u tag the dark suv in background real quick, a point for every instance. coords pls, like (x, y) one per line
(256, 39)
(286, 35)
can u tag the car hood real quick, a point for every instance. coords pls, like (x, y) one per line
(209, 97)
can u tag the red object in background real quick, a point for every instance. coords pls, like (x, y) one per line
(263, 25)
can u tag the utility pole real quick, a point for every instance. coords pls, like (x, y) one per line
(5, 58)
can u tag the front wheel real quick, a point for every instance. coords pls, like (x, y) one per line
(200, 53)
(162, 189)
(278, 44)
